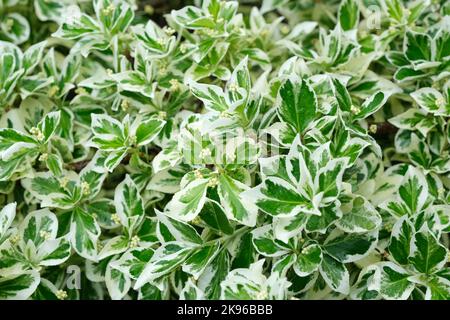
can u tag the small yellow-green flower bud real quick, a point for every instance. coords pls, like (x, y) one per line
(233, 87)
(43, 157)
(213, 182)
(134, 242)
(61, 294)
(45, 234)
(115, 218)
(285, 29)
(440, 102)
(355, 110)
(124, 105)
(262, 295)
(9, 24)
(198, 174)
(52, 91)
(85, 188)
(162, 115)
(169, 31)
(63, 182)
(174, 85)
(37, 133)
(148, 9)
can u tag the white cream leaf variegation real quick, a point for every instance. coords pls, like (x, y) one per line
(271, 149)
(302, 183)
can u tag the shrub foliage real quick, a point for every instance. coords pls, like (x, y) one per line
(281, 149)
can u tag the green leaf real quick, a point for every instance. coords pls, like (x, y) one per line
(432, 101)
(414, 190)
(157, 43)
(123, 15)
(168, 158)
(395, 284)
(117, 283)
(395, 9)
(19, 287)
(438, 288)
(94, 177)
(113, 246)
(243, 250)
(191, 292)
(39, 226)
(77, 28)
(111, 159)
(49, 10)
(135, 81)
(350, 247)
(407, 73)
(53, 192)
(418, 46)
(133, 261)
(213, 215)
(367, 284)
(239, 85)
(297, 104)
(414, 119)
(286, 228)
(212, 96)
(9, 168)
(442, 41)
(14, 143)
(151, 292)
(165, 259)
(55, 164)
(45, 291)
(181, 231)
(372, 104)
(84, 234)
(129, 204)
(192, 18)
(32, 56)
(213, 275)
(200, 259)
(109, 133)
(335, 274)
(167, 180)
(187, 203)
(342, 96)
(257, 55)
(283, 265)
(397, 58)
(358, 215)
(320, 223)
(18, 30)
(49, 124)
(277, 197)
(245, 284)
(265, 243)
(236, 204)
(7, 215)
(54, 252)
(399, 246)
(329, 179)
(427, 254)
(308, 260)
(348, 14)
(148, 130)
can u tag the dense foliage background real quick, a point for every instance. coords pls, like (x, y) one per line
(271, 149)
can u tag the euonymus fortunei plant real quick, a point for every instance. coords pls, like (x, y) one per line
(221, 150)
